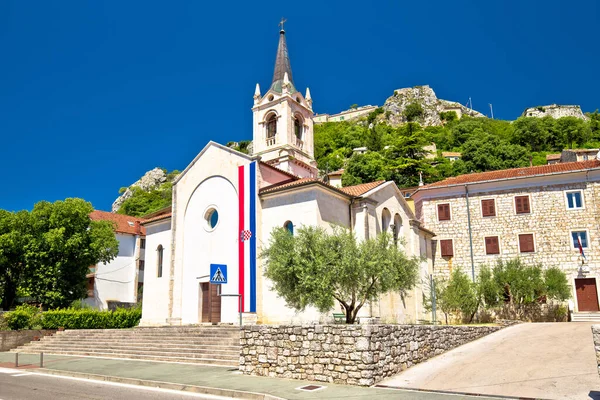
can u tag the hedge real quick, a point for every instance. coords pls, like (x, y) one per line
(91, 319)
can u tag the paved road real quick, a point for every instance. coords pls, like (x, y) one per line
(20, 385)
(550, 360)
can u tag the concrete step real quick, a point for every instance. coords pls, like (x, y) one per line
(149, 335)
(205, 341)
(170, 331)
(113, 344)
(585, 317)
(184, 359)
(137, 352)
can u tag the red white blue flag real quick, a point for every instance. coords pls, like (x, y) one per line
(580, 247)
(247, 195)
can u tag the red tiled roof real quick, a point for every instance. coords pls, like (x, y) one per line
(359, 190)
(157, 218)
(352, 191)
(338, 172)
(123, 223)
(515, 173)
(552, 157)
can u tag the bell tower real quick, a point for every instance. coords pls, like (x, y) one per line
(283, 125)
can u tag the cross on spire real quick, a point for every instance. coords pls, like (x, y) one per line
(283, 20)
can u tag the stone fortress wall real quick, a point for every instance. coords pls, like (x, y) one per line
(555, 111)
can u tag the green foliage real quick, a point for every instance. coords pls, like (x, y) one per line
(23, 317)
(362, 168)
(47, 252)
(461, 295)
(557, 285)
(122, 190)
(520, 283)
(3, 323)
(354, 106)
(315, 268)
(145, 202)
(374, 114)
(92, 319)
(448, 116)
(413, 112)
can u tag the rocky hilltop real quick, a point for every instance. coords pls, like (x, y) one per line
(150, 181)
(395, 106)
(555, 111)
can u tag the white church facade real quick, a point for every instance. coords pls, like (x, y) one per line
(226, 204)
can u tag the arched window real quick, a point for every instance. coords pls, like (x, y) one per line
(397, 228)
(289, 226)
(298, 127)
(159, 251)
(271, 127)
(386, 220)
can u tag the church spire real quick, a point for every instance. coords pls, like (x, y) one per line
(282, 65)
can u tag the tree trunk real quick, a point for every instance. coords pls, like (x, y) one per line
(9, 295)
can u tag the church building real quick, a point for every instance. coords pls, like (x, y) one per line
(226, 204)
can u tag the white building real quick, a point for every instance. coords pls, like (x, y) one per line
(120, 280)
(225, 205)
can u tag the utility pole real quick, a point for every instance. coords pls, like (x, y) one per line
(492, 110)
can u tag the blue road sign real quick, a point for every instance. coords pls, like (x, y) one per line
(218, 273)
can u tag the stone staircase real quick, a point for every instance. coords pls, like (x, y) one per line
(585, 317)
(217, 345)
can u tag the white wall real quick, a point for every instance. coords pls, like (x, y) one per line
(203, 246)
(155, 305)
(115, 281)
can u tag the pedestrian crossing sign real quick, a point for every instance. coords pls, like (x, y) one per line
(218, 273)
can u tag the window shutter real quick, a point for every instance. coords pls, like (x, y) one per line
(526, 243)
(443, 212)
(446, 247)
(491, 245)
(522, 204)
(488, 208)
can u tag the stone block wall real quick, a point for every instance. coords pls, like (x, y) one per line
(347, 354)
(596, 336)
(12, 339)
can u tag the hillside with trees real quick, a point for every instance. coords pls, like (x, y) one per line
(397, 153)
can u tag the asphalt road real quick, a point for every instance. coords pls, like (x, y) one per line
(21, 385)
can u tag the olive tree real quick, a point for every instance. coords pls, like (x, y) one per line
(315, 268)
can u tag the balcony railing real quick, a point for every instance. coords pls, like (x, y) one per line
(270, 141)
(299, 143)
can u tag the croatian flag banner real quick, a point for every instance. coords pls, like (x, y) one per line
(247, 194)
(580, 246)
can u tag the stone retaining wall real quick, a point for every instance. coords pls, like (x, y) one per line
(347, 354)
(596, 336)
(12, 339)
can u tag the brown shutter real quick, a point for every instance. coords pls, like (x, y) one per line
(522, 204)
(447, 249)
(526, 243)
(491, 245)
(488, 208)
(443, 212)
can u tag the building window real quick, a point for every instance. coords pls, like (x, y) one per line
(142, 265)
(574, 200)
(271, 128)
(447, 248)
(443, 212)
(488, 208)
(289, 226)
(386, 220)
(397, 228)
(159, 251)
(298, 128)
(522, 205)
(211, 217)
(526, 243)
(581, 235)
(492, 245)
(142, 243)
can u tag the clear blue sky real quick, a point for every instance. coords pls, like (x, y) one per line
(93, 94)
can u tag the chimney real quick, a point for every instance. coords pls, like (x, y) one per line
(138, 228)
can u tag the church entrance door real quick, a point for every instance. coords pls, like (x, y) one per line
(210, 303)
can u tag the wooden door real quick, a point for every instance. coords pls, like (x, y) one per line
(215, 304)
(587, 294)
(210, 303)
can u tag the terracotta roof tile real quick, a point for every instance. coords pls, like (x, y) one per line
(288, 184)
(359, 190)
(279, 170)
(515, 173)
(338, 172)
(552, 157)
(123, 223)
(157, 218)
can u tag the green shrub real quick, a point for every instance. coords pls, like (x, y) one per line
(23, 317)
(92, 319)
(3, 324)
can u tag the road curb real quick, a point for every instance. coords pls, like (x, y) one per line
(492, 396)
(236, 394)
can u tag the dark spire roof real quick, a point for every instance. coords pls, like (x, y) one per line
(282, 65)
